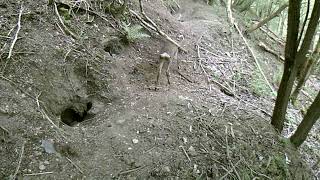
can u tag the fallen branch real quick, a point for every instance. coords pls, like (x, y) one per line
(5, 44)
(16, 35)
(268, 49)
(184, 77)
(66, 30)
(185, 153)
(13, 177)
(131, 170)
(36, 174)
(229, 11)
(92, 11)
(273, 36)
(233, 23)
(255, 59)
(150, 24)
(5, 130)
(75, 165)
(5, 37)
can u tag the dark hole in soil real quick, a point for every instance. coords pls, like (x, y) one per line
(75, 114)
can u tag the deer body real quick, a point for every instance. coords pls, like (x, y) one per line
(168, 52)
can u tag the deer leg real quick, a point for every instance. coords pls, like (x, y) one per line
(168, 73)
(159, 73)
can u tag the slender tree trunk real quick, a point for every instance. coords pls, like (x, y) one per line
(307, 40)
(263, 22)
(210, 2)
(313, 114)
(303, 78)
(305, 21)
(229, 11)
(280, 24)
(290, 69)
(305, 73)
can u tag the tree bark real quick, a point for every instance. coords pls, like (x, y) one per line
(306, 71)
(307, 40)
(264, 21)
(308, 121)
(305, 21)
(290, 69)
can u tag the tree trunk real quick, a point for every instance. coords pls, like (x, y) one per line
(307, 40)
(308, 121)
(290, 69)
(305, 21)
(263, 22)
(210, 2)
(229, 12)
(305, 73)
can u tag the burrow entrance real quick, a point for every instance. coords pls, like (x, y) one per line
(76, 112)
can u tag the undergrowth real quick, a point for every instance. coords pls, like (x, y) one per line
(259, 86)
(133, 33)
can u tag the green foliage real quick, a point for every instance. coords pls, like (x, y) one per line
(316, 70)
(278, 167)
(259, 86)
(116, 9)
(65, 13)
(133, 33)
(243, 5)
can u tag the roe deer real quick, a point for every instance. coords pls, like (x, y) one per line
(168, 52)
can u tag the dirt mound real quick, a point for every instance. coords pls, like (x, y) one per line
(187, 130)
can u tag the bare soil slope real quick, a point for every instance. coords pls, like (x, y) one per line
(190, 129)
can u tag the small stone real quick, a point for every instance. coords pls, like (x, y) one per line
(135, 141)
(121, 121)
(185, 140)
(46, 162)
(192, 151)
(166, 169)
(42, 167)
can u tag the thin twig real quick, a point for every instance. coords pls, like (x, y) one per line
(5, 130)
(185, 77)
(65, 28)
(36, 174)
(260, 174)
(16, 35)
(131, 170)
(5, 37)
(75, 165)
(228, 155)
(154, 26)
(5, 44)
(44, 115)
(255, 59)
(185, 153)
(233, 23)
(230, 171)
(13, 177)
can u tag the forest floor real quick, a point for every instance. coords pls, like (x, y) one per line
(212, 122)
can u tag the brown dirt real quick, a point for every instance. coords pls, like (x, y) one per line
(187, 130)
